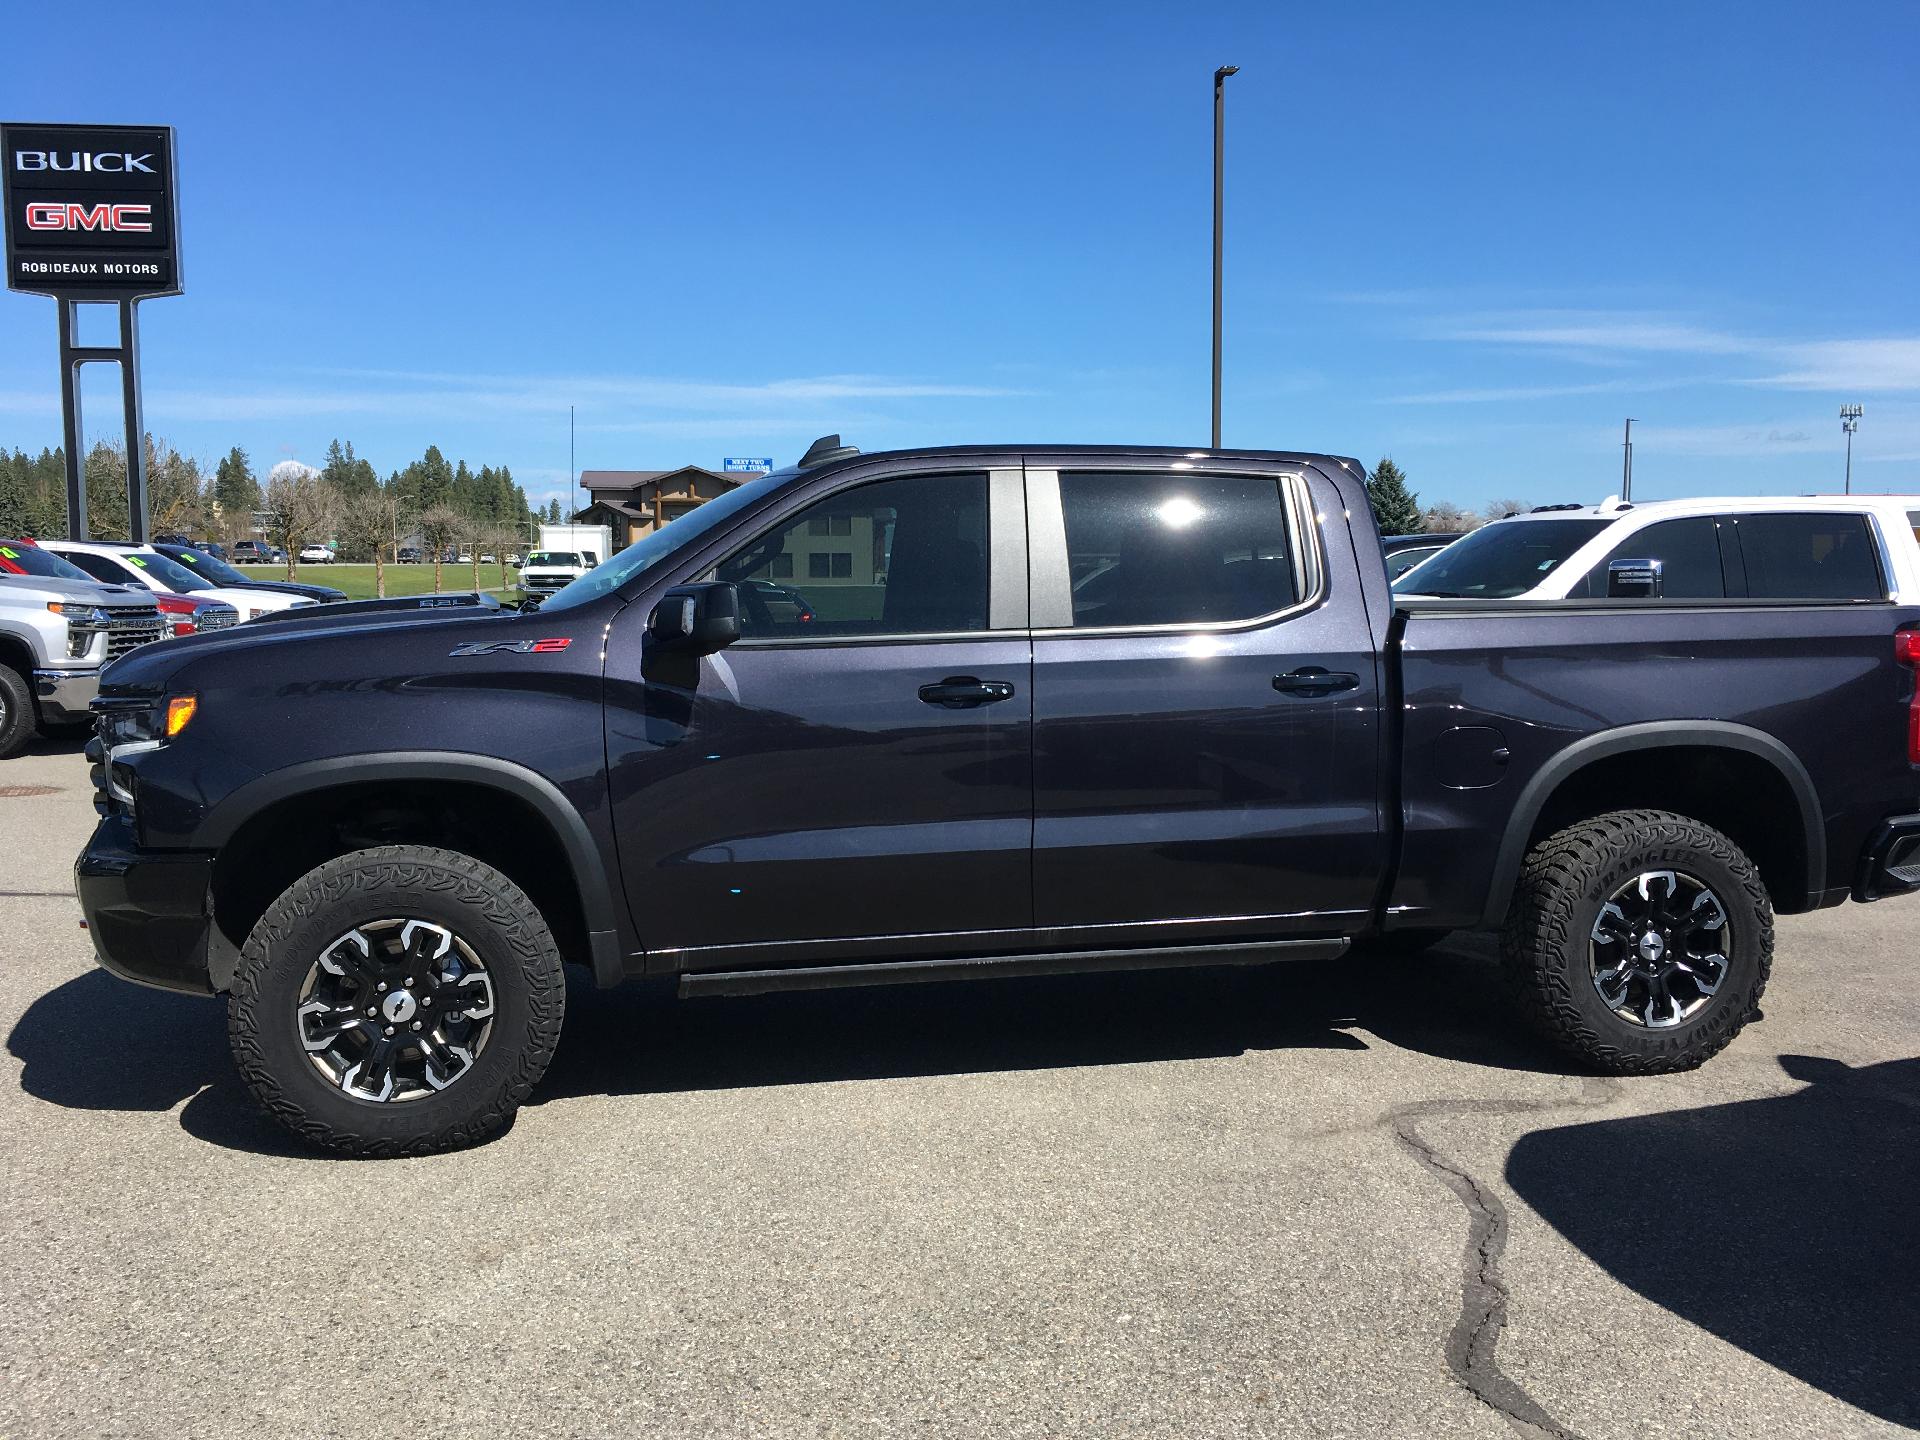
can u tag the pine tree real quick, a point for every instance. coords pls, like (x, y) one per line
(16, 496)
(1396, 509)
(235, 490)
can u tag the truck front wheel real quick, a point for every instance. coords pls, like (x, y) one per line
(1640, 941)
(16, 712)
(397, 1001)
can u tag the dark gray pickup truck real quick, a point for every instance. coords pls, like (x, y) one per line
(977, 712)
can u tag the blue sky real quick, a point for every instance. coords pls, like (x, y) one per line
(1473, 237)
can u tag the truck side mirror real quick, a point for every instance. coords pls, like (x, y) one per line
(696, 619)
(1634, 579)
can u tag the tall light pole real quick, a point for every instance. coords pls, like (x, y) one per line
(1850, 422)
(1626, 464)
(1219, 212)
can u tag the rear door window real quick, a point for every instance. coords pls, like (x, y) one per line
(1689, 554)
(1153, 549)
(1793, 556)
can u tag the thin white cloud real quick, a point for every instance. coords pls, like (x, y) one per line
(1884, 364)
(1863, 365)
(642, 404)
(1595, 330)
(1512, 393)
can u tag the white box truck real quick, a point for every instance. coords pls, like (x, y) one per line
(566, 553)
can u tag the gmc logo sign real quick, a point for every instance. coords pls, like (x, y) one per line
(66, 215)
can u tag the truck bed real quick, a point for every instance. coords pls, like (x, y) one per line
(1773, 709)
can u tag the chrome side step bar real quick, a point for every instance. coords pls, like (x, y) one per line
(989, 967)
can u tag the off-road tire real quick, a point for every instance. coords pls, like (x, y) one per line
(479, 904)
(1545, 946)
(17, 719)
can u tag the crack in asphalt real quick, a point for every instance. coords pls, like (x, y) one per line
(1472, 1345)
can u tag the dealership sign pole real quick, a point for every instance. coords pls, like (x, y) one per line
(92, 219)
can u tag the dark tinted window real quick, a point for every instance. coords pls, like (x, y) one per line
(1497, 561)
(200, 563)
(897, 557)
(1688, 552)
(1810, 557)
(1175, 549)
(18, 559)
(1401, 561)
(100, 567)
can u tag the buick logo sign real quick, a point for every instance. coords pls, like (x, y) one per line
(76, 162)
(90, 211)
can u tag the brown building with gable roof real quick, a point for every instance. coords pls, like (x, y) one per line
(633, 503)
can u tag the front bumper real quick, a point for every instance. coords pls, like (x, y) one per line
(64, 695)
(1890, 865)
(147, 911)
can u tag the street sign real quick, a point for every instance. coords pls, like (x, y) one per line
(739, 465)
(91, 211)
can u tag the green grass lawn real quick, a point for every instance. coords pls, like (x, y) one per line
(357, 580)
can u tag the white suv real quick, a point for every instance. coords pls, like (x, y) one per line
(1809, 547)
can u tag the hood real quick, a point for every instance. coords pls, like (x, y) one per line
(317, 642)
(326, 594)
(464, 605)
(39, 589)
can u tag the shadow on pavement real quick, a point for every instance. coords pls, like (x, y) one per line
(98, 1043)
(1786, 1226)
(67, 740)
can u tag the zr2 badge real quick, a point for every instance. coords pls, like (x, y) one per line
(511, 647)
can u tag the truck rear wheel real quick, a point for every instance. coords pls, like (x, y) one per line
(1640, 941)
(17, 725)
(397, 1001)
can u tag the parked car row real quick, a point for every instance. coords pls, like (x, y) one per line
(69, 607)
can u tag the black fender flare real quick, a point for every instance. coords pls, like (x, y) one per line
(536, 790)
(1652, 735)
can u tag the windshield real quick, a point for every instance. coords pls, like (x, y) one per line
(553, 557)
(170, 573)
(1500, 560)
(650, 549)
(18, 559)
(214, 569)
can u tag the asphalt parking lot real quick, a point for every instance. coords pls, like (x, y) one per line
(1322, 1200)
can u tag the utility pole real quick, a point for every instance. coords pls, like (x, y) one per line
(1850, 422)
(572, 474)
(1626, 465)
(1219, 215)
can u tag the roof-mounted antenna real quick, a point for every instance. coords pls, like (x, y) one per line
(827, 447)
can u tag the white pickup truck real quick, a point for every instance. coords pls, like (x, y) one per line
(58, 629)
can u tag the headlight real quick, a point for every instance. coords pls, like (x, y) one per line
(129, 730)
(83, 623)
(80, 614)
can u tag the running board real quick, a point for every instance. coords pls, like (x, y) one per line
(989, 967)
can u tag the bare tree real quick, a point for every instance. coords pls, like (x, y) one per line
(369, 521)
(474, 535)
(439, 525)
(297, 506)
(1501, 509)
(1443, 517)
(504, 538)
